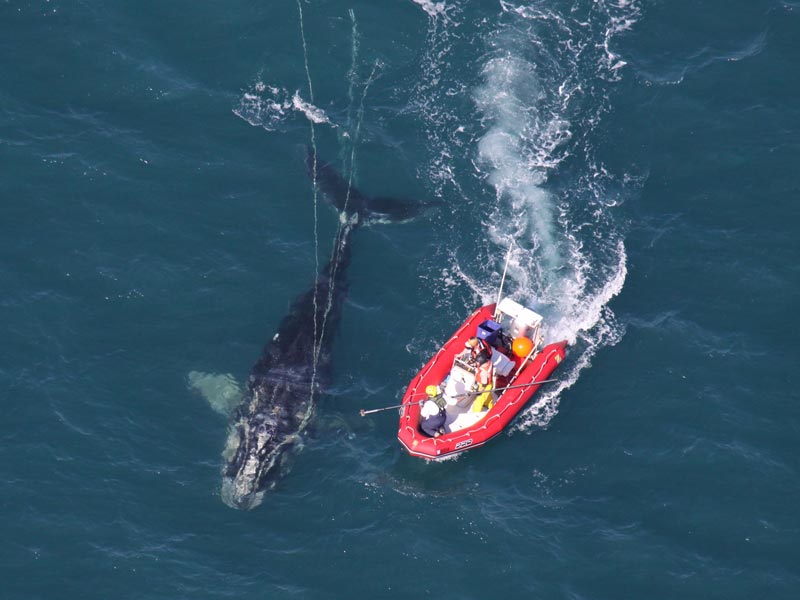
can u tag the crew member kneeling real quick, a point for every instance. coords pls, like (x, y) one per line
(433, 415)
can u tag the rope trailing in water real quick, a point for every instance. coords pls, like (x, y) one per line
(317, 340)
(345, 227)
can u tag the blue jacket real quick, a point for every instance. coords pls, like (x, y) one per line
(430, 425)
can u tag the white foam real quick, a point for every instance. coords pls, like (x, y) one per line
(264, 106)
(545, 75)
(270, 106)
(622, 16)
(517, 164)
(434, 9)
(313, 113)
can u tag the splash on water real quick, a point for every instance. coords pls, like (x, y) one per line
(313, 113)
(434, 9)
(269, 107)
(264, 106)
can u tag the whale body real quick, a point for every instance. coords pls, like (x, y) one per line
(284, 384)
(294, 367)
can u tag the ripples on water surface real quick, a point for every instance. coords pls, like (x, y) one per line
(158, 219)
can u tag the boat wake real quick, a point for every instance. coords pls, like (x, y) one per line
(511, 105)
(529, 173)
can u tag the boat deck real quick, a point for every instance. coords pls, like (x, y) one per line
(459, 414)
(460, 417)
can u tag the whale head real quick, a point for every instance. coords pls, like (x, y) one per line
(251, 460)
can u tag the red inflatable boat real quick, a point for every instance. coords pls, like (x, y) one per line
(470, 410)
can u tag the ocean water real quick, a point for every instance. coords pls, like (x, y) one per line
(639, 157)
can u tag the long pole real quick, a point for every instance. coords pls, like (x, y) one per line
(510, 387)
(364, 413)
(503, 280)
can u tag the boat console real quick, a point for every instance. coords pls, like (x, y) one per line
(459, 384)
(519, 321)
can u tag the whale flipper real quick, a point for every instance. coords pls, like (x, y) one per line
(278, 401)
(221, 392)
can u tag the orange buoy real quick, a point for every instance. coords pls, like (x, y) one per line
(521, 347)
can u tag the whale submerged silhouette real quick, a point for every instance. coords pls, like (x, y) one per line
(267, 419)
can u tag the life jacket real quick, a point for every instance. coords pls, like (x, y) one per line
(470, 353)
(485, 370)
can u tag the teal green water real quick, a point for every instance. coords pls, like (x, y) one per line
(158, 219)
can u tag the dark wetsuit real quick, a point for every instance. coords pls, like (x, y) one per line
(435, 423)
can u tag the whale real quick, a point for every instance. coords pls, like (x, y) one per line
(372, 209)
(269, 414)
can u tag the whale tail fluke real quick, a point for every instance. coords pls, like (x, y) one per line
(385, 209)
(349, 200)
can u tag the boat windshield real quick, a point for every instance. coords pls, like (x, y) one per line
(506, 321)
